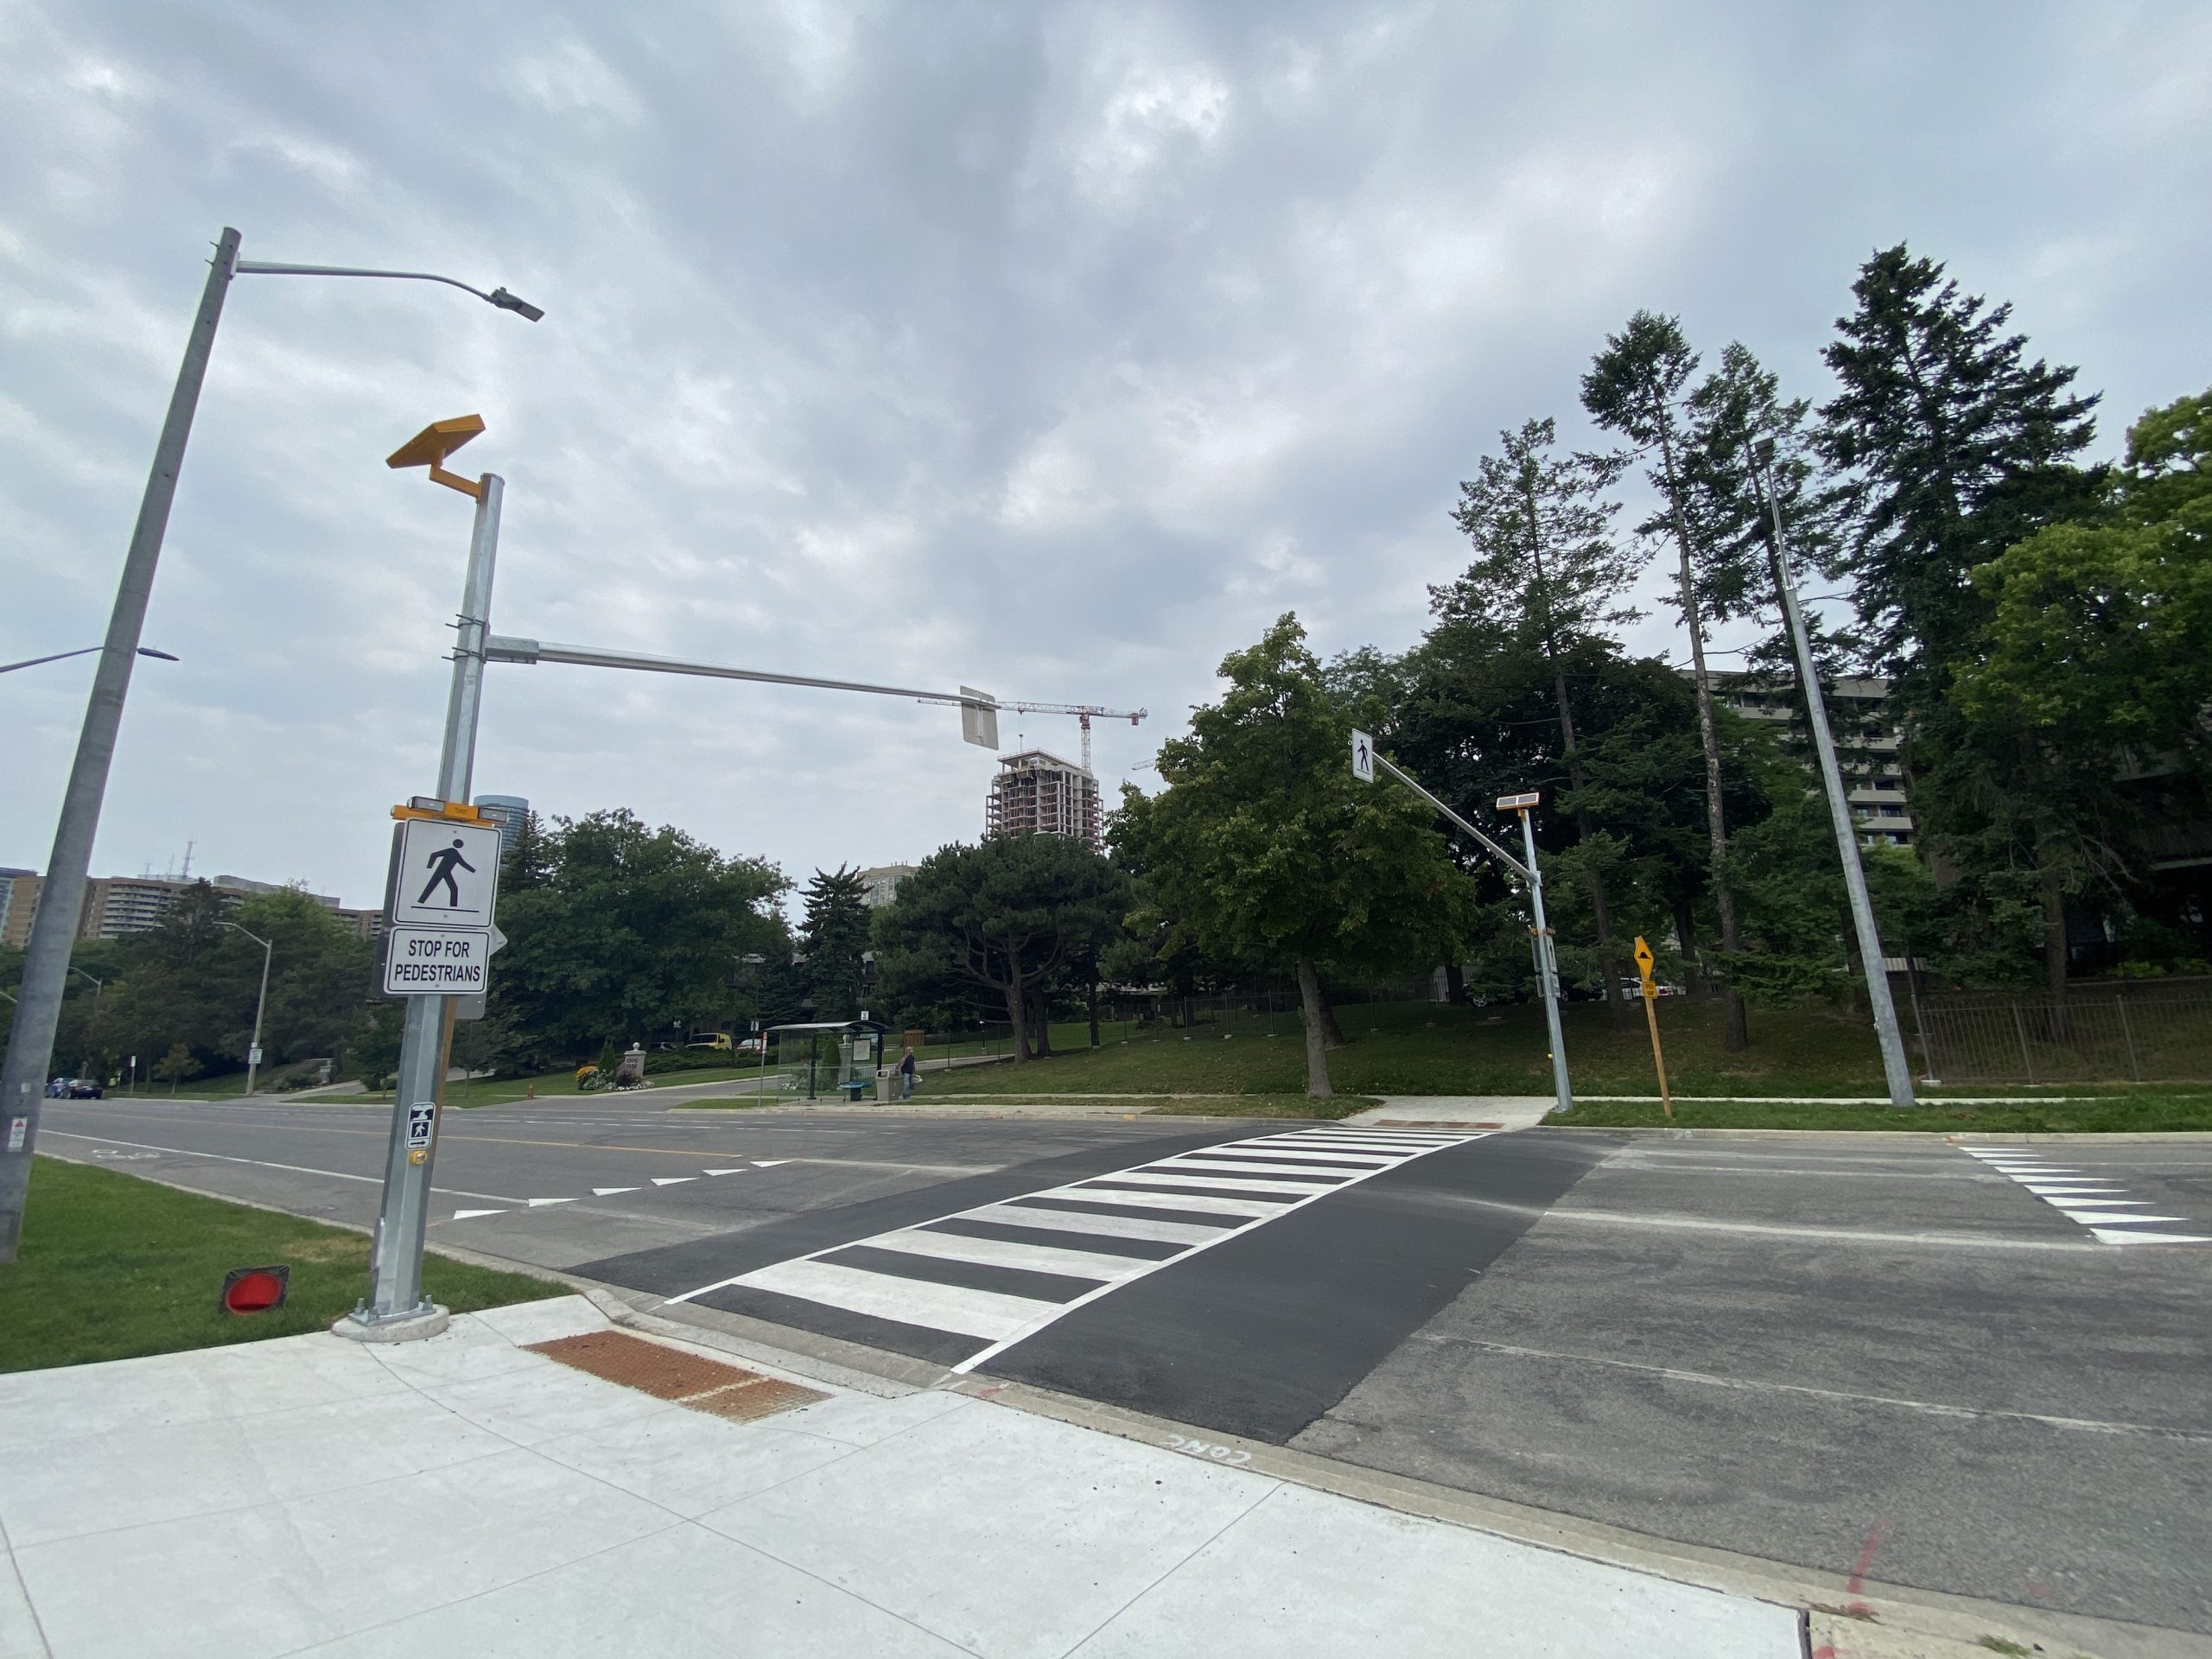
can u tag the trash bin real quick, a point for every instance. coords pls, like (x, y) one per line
(887, 1079)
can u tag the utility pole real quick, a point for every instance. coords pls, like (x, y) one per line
(1895, 1067)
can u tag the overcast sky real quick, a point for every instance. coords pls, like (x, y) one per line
(1051, 348)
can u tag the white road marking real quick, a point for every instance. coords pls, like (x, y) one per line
(609, 1191)
(1206, 1203)
(672, 1180)
(539, 1203)
(1251, 1166)
(2088, 1201)
(1004, 1253)
(739, 1170)
(470, 1215)
(1211, 1182)
(264, 1163)
(910, 1301)
(998, 1319)
(1097, 1224)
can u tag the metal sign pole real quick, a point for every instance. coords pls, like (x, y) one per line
(395, 1306)
(1365, 760)
(1548, 959)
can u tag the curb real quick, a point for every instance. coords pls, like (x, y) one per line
(1984, 1137)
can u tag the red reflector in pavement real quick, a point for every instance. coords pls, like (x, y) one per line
(255, 1290)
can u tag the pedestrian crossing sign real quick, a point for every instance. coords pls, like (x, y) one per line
(444, 874)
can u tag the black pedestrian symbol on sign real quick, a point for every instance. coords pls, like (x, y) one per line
(441, 864)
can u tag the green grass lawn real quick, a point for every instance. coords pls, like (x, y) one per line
(1428, 1048)
(111, 1268)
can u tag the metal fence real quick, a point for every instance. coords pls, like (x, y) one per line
(2144, 1032)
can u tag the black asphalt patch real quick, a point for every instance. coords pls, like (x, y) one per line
(1260, 1334)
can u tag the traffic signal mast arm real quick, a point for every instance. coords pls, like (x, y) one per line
(508, 648)
(1491, 847)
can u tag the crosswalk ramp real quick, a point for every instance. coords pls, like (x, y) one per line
(964, 1287)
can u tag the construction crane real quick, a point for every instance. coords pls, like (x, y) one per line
(1082, 712)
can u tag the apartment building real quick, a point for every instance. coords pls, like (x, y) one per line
(879, 883)
(1865, 738)
(118, 905)
(1037, 793)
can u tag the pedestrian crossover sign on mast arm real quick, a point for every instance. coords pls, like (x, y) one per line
(1364, 760)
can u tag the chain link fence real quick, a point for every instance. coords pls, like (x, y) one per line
(2122, 1032)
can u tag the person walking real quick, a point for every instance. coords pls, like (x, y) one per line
(906, 1069)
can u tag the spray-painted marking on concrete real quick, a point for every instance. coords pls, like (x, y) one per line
(2101, 1207)
(983, 1279)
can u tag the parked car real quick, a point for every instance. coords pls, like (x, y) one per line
(85, 1089)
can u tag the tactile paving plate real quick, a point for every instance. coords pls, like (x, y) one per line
(671, 1374)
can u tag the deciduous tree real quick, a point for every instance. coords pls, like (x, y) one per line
(1263, 847)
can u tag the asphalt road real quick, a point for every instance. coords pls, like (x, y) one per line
(1830, 1351)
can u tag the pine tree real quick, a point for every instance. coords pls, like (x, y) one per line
(529, 862)
(1953, 445)
(1953, 448)
(1634, 387)
(1548, 567)
(836, 934)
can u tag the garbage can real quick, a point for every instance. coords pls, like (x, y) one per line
(887, 1079)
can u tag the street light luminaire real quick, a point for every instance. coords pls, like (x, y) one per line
(507, 302)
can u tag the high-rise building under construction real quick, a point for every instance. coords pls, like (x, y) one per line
(1039, 794)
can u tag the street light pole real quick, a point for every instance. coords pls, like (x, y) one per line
(84, 650)
(61, 901)
(1897, 1069)
(54, 931)
(98, 985)
(253, 1050)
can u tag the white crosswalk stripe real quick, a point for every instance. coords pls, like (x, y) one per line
(987, 1277)
(2092, 1202)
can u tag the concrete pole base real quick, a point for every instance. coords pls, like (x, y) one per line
(408, 1327)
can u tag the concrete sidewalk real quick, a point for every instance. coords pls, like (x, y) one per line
(466, 1495)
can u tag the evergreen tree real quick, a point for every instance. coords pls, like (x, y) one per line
(529, 863)
(1636, 388)
(1952, 446)
(1546, 566)
(835, 938)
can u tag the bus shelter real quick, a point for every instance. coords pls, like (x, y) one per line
(828, 1055)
